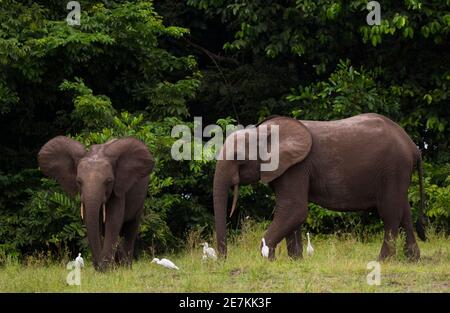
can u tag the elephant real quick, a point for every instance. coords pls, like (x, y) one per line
(360, 163)
(112, 180)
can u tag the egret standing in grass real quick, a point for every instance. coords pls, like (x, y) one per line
(264, 249)
(309, 248)
(208, 251)
(166, 263)
(79, 262)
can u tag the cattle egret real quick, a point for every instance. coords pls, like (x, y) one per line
(208, 251)
(309, 248)
(166, 263)
(79, 262)
(264, 249)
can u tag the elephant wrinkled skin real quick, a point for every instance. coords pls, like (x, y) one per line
(112, 179)
(359, 163)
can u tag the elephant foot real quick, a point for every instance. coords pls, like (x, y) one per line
(125, 262)
(385, 255)
(271, 254)
(412, 252)
(111, 265)
(294, 245)
(295, 253)
(121, 257)
(387, 250)
(101, 268)
(295, 256)
(106, 265)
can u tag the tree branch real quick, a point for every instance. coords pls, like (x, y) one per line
(210, 54)
(213, 58)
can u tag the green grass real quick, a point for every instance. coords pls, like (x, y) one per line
(338, 265)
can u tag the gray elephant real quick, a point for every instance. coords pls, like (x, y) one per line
(363, 162)
(112, 180)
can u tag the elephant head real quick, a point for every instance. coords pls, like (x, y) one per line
(239, 167)
(105, 170)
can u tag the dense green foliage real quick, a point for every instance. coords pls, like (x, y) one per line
(126, 70)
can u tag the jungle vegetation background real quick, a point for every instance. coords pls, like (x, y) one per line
(139, 68)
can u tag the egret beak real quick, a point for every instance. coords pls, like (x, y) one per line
(81, 210)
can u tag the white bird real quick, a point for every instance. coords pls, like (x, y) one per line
(79, 262)
(166, 263)
(309, 248)
(208, 251)
(264, 249)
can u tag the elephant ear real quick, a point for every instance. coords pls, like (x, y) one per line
(59, 159)
(133, 162)
(294, 144)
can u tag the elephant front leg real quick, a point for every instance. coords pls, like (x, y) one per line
(291, 190)
(120, 257)
(130, 231)
(284, 224)
(113, 225)
(294, 244)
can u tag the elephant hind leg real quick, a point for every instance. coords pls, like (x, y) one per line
(294, 244)
(391, 209)
(390, 237)
(412, 250)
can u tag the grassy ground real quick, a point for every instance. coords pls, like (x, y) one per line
(338, 265)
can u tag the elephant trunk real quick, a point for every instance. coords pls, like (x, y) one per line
(93, 221)
(222, 183)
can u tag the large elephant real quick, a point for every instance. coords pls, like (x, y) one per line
(363, 162)
(112, 180)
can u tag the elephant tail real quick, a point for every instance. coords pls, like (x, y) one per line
(420, 223)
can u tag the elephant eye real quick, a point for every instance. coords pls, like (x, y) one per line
(108, 181)
(79, 182)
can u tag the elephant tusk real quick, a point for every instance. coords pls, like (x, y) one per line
(104, 213)
(235, 197)
(81, 210)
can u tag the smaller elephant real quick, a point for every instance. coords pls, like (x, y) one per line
(112, 179)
